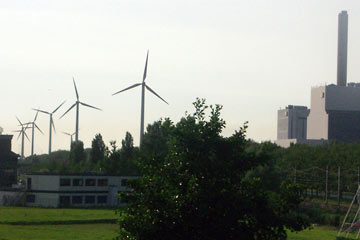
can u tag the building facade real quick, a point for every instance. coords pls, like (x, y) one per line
(8, 162)
(335, 113)
(79, 190)
(292, 122)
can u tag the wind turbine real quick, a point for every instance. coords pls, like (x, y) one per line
(71, 137)
(77, 104)
(143, 86)
(33, 126)
(22, 133)
(52, 125)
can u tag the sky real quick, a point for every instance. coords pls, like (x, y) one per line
(251, 56)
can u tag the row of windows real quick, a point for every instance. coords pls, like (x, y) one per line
(79, 182)
(67, 200)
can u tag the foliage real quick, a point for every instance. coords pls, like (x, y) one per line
(201, 190)
(98, 150)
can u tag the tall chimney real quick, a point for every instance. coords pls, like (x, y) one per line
(342, 48)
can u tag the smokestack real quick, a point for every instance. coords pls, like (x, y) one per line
(342, 48)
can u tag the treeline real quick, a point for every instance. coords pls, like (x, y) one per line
(100, 158)
(333, 167)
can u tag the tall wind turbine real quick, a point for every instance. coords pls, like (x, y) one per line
(77, 104)
(52, 125)
(71, 136)
(22, 133)
(143, 86)
(33, 126)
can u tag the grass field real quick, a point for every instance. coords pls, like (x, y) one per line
(323, 233)
(54, 232)
(49, 231)
(22, 214)
(90, 231)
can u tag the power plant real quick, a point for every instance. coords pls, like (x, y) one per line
(334, 113)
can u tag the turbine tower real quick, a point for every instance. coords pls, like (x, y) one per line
(143, 86)
(52, 125)
(77, 104)
(33, 126)
(22, 133)
(71, 137)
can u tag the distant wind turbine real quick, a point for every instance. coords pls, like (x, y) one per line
(71, 137)
(77, 104)
(33, 126)
(143, 86)
(22, 133)
(52, 125)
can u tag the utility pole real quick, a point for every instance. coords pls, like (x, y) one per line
(326, 185)
(339, 186)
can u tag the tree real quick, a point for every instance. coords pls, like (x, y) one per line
(199, 190)
(156, 137)
(77, 157)
(98, 150)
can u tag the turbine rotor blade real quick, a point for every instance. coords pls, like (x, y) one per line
(19, 120)
(66, 133)
(87, 105)
(19, 135)
(153, 92)
(68, 110)
(38, 128)
(26, 136)
(146, 63)
(37, 112)
(40, 111)
(59, 106)
(53, 125)
(76, 91)
(132, 86)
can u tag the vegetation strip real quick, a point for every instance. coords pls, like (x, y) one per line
(65, 222)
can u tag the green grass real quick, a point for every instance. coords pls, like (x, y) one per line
(22, 214)
(74, 232)
(323, 233)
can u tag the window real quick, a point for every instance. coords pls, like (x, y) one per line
(29, 184)
(123, 182)
(64, 200)
(322, 95)
(78, 182)
(65, 182)
(30, 198)
(76, 199)
(90, 182)
(102, 182)
(102, 199)
(89, 199)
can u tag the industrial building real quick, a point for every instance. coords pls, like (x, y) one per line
(334, 109)
(292, 122)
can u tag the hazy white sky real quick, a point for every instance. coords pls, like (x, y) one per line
(252, 56)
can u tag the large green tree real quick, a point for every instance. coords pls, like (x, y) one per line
(200, 189)
(98, 150)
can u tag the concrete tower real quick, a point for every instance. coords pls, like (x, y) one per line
(342, 48)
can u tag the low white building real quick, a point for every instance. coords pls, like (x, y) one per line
(78, 190)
